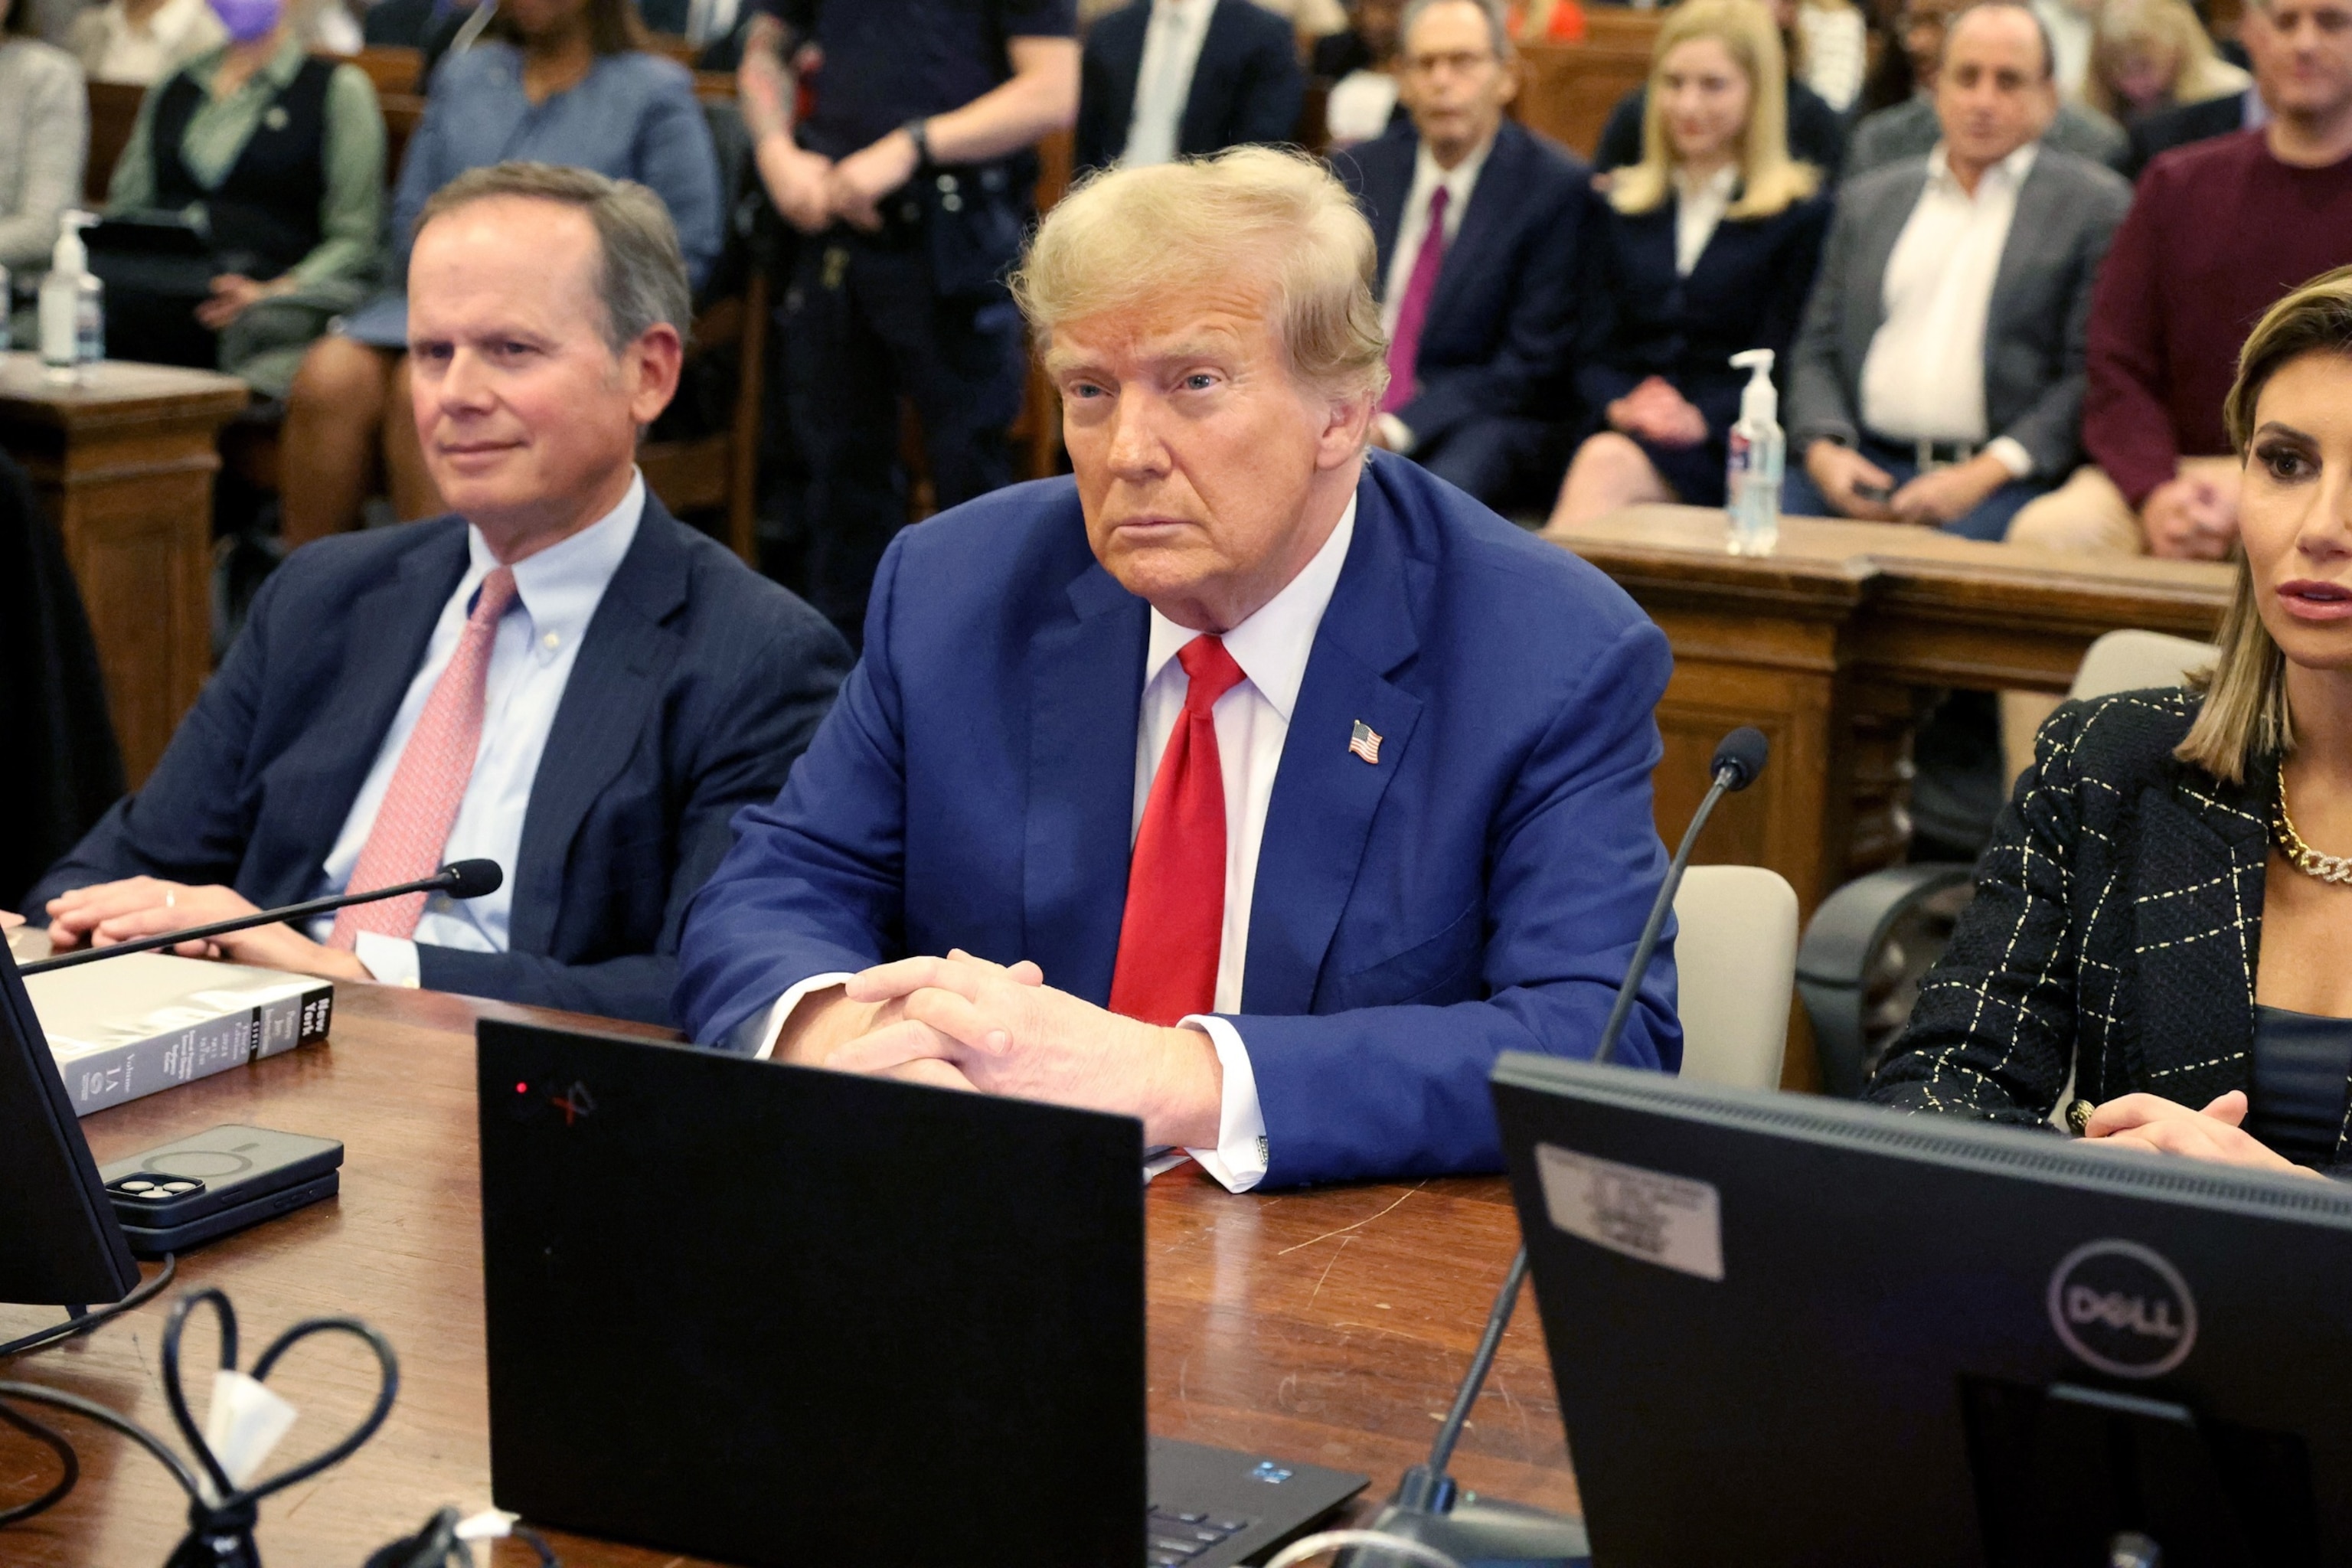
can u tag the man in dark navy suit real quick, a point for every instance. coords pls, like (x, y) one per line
(1478, 222)
(561, 677)
(1169, 79)
(1238, 784)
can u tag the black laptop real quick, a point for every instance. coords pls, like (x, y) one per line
(773, 1315)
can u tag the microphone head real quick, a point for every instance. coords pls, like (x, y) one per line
(472, 879)
(1740, 757)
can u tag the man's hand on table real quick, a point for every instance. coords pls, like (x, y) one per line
(111, 912)
(965, 1023)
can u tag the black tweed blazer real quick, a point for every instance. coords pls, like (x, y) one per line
(2116, 923)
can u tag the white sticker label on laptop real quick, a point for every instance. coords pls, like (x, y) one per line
(1671, 1221)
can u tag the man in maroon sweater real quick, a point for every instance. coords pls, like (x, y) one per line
(2218, 231)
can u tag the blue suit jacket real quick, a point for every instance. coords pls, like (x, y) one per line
(696, 685)
(1479, 890)
(1247, 86)
(1500, 340)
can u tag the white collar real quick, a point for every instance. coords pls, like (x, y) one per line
(2013, 168)
(560, 586)
(1272, 645)
(1718, 186)
(1183, 10)
(1459, 178)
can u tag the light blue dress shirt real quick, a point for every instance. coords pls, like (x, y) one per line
(557, 591)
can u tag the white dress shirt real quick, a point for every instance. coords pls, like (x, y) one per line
(1163, 84)
(145, 53)
(2070, 25)
(1699, 207)
(1922, 379)
(557, 591)
(1253, 720)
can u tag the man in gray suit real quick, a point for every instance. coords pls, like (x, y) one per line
(1938, 376)
(1910, 130)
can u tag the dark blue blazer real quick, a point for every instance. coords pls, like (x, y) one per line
(696, 685)
(1247, 86)
(1747, 290)
(1479, 890)
(1500, 339)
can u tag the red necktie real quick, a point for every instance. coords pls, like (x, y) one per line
(1404, 345)
(429, 782)
(1175, 922)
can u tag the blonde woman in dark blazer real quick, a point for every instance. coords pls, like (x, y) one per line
(2160, 912)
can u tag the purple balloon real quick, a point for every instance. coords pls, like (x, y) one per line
(247, 19)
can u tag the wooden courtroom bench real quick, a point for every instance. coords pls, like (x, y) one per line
(1566, 91)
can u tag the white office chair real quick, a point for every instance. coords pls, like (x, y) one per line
(1735, 965)
(2132, 660)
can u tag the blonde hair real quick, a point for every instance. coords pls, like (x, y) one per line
(1123, 237)
(1770, 180)
(2198, 72)
(2245, 715)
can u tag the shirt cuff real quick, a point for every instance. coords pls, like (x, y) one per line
(390, 959)
(1395, 434)
(755, 1037)
(1239, 1158)
(2010, 454)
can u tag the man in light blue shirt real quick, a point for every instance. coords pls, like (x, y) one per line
(630, 688)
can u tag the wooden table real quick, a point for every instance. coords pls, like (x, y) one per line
(1823, 644)
(124, 459)
(1330, 1326)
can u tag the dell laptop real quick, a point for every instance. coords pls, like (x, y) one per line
(775, 1315)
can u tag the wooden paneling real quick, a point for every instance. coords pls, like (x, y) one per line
(1330, 1325)
(113, 107)
(1566, 91)
(124, 458)
(1824, 646)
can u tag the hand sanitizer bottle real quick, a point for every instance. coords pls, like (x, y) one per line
(1751, 480)
(73, 303)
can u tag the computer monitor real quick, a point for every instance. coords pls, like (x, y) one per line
(1793, 1330)
(60, 1243)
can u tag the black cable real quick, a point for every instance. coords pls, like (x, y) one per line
(74, 1327)
(74, 1403)
(66, 1459)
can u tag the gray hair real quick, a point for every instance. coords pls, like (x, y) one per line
(1498, 25)
(642, 280)
(2041, 29)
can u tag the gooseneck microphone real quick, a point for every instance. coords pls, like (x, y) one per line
(459, 880)
(1428, 1508)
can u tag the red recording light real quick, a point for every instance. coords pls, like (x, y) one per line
(522, 1088)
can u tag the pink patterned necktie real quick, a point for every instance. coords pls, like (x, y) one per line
(1404, 344)
(420, 806)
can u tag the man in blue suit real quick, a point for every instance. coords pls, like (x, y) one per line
(561, 677)
(1166, 79)
(1232, 783)
(1478, 222)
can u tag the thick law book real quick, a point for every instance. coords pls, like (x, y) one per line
(148, 1021)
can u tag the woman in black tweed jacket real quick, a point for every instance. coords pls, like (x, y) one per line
(2152, 916)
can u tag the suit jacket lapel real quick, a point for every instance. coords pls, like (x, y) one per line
(1324, 795)
(1086, 687)
(614, 685)
(390, 626)
(2029, 226)
(2198, 934)
(1498, 192)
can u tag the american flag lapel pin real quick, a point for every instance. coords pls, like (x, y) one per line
(1365, 743)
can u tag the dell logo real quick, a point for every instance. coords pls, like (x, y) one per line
(2123, 1308)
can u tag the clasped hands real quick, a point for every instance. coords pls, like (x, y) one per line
(811, 190)
(2160, 1126)
(1937, 497)
(1657, 412)
(2189, 517)
(961, 1022)
(111, 912)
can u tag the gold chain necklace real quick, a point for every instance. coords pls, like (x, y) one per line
(2302, 856)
